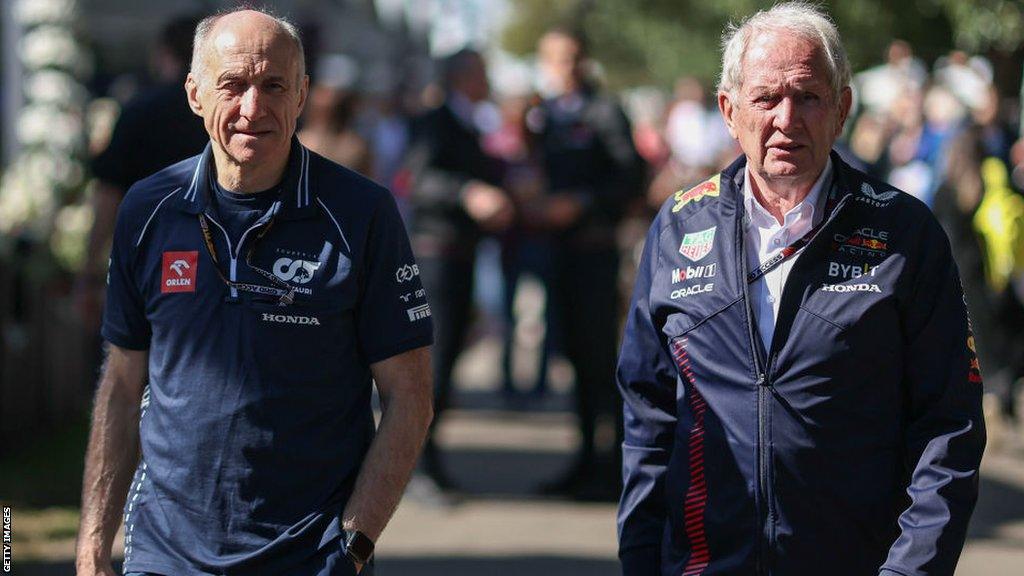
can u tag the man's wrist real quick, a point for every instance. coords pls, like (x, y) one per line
(358, 546)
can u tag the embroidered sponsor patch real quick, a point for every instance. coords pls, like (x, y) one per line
(974, 368)
(686, 292)
(706, 188)
(877, 199)
(421, 293)
(406, 272)
(693, 272)
(179, 272)
(418, 312)
(697, 245)
(298, 271)
(290, 319)
(850, 271)
(851, 288)
(863, 242)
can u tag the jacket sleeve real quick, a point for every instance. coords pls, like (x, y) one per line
(945, 428)
(432, 183)
(625, 170)
(646, 379)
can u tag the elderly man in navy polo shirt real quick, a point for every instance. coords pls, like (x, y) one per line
(260, 290)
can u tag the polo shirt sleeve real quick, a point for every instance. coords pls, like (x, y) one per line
(393, 313)
(124, 316)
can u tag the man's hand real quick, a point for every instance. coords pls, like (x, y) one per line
(487, 205)
(406, 394)
(562, 210)
(111, 457)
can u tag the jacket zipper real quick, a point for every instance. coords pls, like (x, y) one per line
(763, 368)
(762, 486)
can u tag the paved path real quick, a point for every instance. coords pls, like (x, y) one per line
(500, 528)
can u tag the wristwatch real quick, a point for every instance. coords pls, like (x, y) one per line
(358, 546)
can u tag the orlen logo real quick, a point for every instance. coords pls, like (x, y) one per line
(298, 271)
(179, 272)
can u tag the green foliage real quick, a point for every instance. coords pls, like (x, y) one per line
(983, 24)
(657, 41)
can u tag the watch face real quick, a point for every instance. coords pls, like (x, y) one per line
(358, 546)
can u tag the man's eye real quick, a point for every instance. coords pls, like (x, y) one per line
(811, 97)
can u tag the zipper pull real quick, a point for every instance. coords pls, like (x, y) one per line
(761, 380)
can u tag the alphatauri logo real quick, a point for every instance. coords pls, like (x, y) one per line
(290, 319)
(178, 272)
(298, 271)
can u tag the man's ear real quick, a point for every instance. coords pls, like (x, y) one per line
(845, 103)
(303, 93)
(725, 106)
(192, 93)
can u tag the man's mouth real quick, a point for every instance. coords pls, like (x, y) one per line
(786, 146)
(251, 132)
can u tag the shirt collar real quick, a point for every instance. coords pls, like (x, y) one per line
(297, 197)
(809, 205)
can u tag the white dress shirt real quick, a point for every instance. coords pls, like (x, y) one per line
(765, 237)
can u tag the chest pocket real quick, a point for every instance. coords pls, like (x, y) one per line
(306, 344)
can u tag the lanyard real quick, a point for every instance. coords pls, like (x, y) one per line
(284, 292)
(784, 254)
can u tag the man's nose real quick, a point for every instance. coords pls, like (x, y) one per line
(252, 105)
(785, 113)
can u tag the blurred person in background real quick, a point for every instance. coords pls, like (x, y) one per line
(802, 392)
(156, 128)
(984, 218)
(698, 139)
(329, 121)
(456, 198)
(880, 86)
(593, 171)
(525, 246)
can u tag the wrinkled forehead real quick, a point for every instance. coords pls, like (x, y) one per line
(774, 55)
(254, 49)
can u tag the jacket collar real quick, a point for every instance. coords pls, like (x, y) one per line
(732, 183)
(298, 198)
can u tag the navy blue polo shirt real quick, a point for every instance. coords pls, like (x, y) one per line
(258, 415)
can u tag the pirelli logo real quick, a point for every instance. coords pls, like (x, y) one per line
(418, 312)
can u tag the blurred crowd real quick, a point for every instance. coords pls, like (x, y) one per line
(563, 178)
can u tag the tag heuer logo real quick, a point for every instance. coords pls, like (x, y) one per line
(697, 245)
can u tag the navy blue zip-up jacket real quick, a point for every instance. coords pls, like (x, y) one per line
(851, 447)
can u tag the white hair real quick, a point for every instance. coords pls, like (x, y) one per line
(206, 25)
(804, 19)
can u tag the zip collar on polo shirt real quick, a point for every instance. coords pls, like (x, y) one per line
(298, 199)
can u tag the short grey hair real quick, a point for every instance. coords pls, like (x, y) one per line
(804, 19)
(206, 25)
